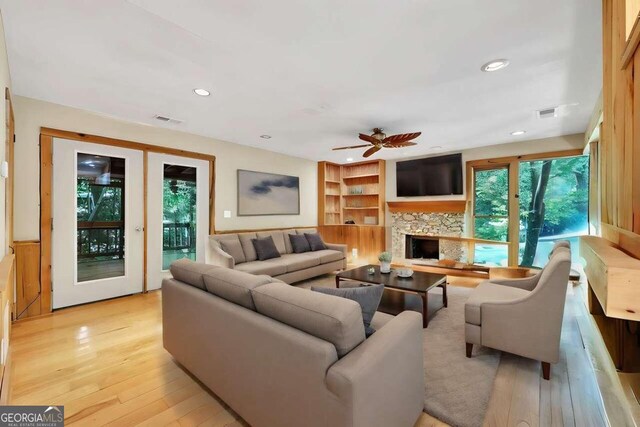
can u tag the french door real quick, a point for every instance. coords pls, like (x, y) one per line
(98, 217)
(177, 213)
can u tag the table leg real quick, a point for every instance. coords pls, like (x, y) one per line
(445, 300)
(425, 314)
(337, 281)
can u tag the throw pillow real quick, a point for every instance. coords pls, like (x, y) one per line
(367, 296)
(233, 248)
(299, 243)
(315, 242)
(265, 248)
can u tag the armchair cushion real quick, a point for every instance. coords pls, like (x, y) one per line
(489, 292)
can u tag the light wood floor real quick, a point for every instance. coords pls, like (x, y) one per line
(105, 363)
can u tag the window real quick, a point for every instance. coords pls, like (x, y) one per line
(491, 215)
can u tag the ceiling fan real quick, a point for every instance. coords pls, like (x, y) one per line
(378, 140)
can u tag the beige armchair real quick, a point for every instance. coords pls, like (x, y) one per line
(521, 316)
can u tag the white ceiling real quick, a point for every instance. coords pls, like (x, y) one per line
(313, 74)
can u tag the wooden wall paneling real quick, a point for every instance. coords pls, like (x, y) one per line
(440, 206)
(594, 193)
(212, 196)
(607, 110)
(514, 215)
(322, 216)
(625, 211)
(46, 190)
(635, 151)
(27, 254)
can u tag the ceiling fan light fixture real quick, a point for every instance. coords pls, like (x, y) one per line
(494, 65)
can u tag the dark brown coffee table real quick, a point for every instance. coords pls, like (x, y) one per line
(419, 284)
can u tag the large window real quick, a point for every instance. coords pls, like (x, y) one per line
(554, 205)
(529, 203)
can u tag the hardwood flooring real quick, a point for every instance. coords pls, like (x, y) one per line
(105, 363)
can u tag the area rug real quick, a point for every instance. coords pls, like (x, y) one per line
(457, 388)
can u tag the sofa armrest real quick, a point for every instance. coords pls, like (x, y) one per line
(338, 247)
(526, 283)
(383, 378)
(217, 256)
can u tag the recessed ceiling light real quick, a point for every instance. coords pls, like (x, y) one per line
(518, 132)
(495, 65)
(349, 159)
(437, 147)
(265, 136)
(201, 92)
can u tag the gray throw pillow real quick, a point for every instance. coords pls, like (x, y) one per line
(367, 296)
(265, 248)
(299, 243)
(233, 248)
(315, 241)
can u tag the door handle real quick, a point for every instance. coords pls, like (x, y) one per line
(138, 228)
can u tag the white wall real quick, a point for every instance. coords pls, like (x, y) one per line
(32, 114)
(5, 82)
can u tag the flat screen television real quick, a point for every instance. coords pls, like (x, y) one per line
(431, 176)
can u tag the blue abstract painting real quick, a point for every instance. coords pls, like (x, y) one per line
(261, 193)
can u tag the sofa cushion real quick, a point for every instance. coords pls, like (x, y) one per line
(190, 272)
(297, 262)
(367, 296)
(233, 285)
(247, 245)
(270, 267)
(234, 248)
(315, 242)
(333, 319)
(489, 292)
(326, 256)
(299, 243)
(265, 248)
(287, 242)
(278, 239)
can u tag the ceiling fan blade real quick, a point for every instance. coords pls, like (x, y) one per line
(400, 144)
(353, 146)
(368, 138)
(371, 151)
(401, 137)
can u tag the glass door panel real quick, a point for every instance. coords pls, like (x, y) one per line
(554, 205)
(179, 228)
(100, 216)
(491, 215)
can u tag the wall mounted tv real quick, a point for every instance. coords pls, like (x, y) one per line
(431, 176)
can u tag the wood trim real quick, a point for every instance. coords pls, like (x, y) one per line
(122, 143)
(145, 207)
(441, 206)
(212, 196)
(631, 45)
(494, 162)
(46, 221)
(10, 158)
(257, 230)
(27, 264)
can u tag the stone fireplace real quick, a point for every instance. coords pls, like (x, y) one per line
(422, 225)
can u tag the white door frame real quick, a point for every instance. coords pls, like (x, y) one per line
(155, 203)
(67, 291)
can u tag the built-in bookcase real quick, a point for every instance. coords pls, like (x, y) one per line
(351, 192)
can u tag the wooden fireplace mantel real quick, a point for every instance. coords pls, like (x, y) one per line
(439, 206)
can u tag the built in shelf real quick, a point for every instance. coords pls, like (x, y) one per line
(361, 208)
(358, 195)
(368, 175)
(331, 181)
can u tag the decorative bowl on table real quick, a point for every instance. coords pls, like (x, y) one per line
(404, 273)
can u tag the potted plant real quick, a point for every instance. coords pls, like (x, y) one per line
(385, 262)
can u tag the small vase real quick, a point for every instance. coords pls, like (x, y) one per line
(385, 267)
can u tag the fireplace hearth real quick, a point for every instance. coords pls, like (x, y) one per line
(422, 247)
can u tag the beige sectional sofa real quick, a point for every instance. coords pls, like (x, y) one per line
(286, 356)
(289, 268)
